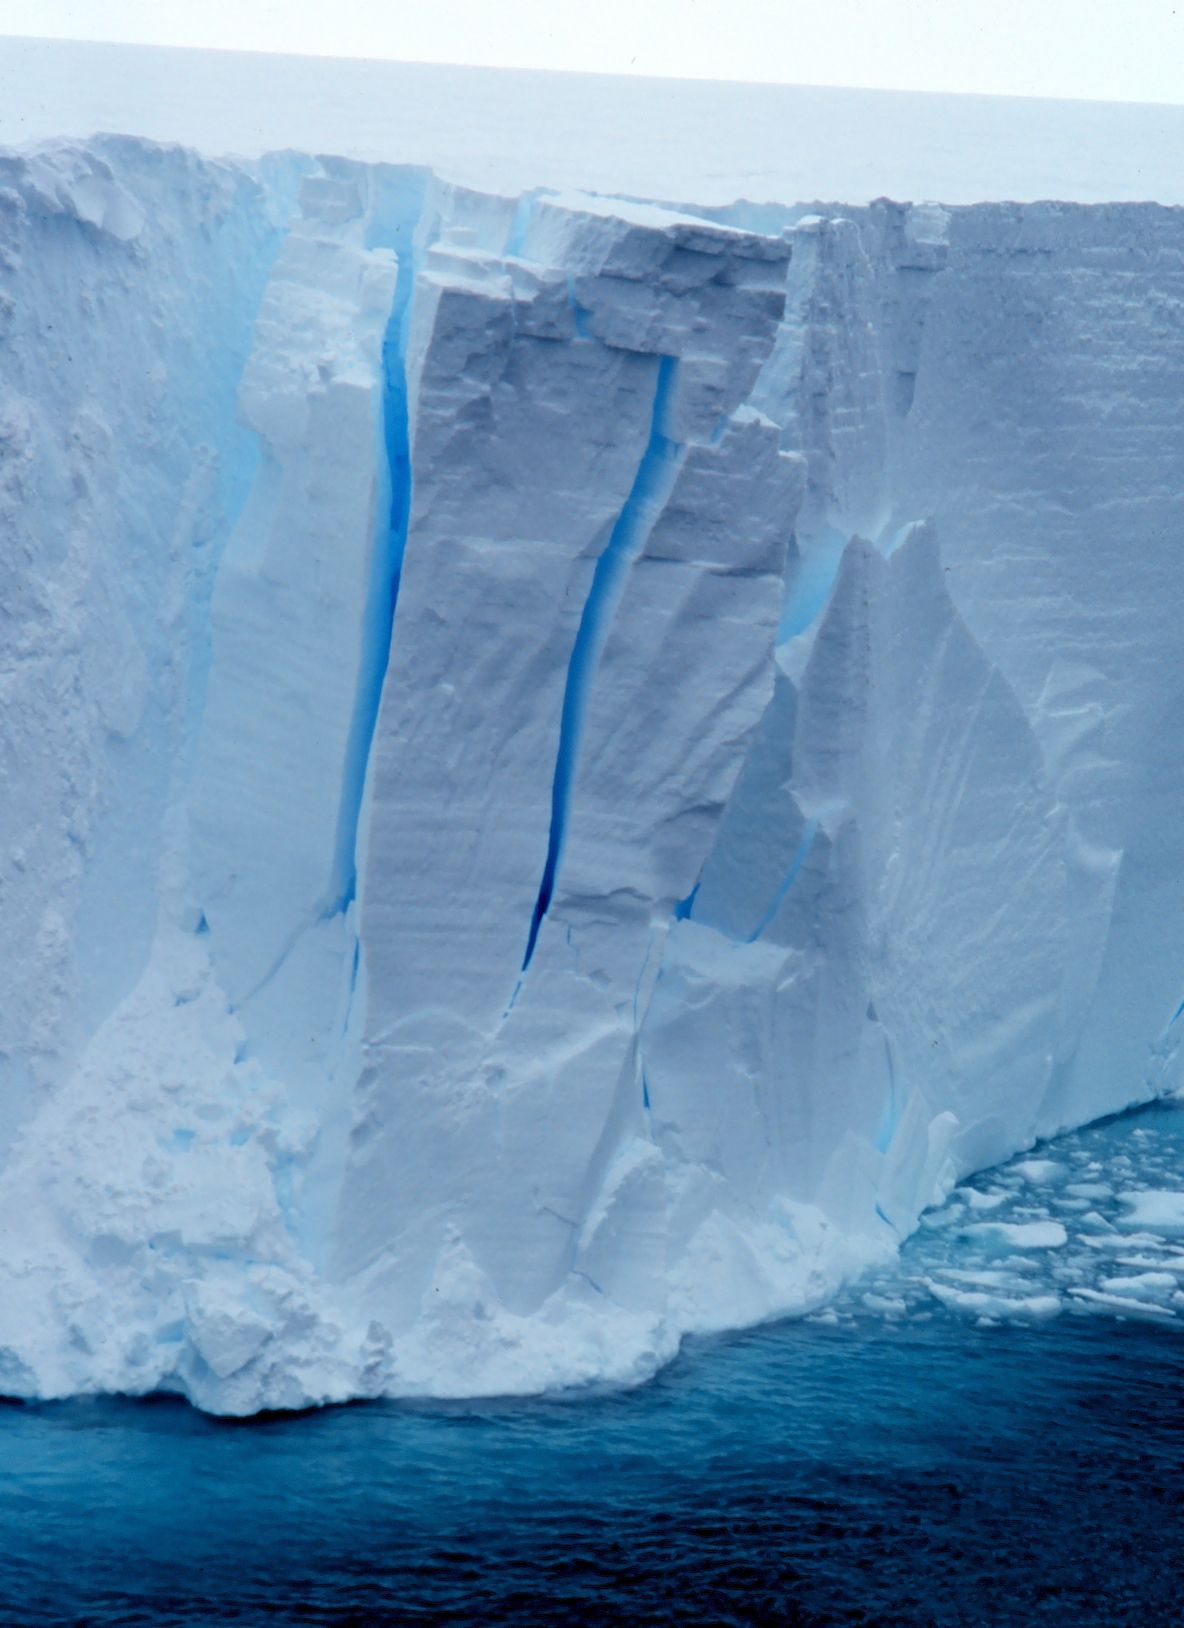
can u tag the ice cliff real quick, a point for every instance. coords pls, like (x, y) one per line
(569, 765)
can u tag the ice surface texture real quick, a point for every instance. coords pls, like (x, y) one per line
(570, 767)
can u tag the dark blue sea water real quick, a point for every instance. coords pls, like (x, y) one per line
(894, 1470)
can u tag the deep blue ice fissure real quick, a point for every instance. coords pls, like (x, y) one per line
(625, 542)
(383, 593)
(801, 854)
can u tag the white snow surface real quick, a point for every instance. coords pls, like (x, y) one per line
(687, 140)
(570, 766)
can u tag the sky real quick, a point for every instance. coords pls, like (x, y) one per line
(1109, 50)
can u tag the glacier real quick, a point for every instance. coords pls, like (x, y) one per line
(571, 763)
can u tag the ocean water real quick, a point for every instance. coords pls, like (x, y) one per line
(991, 1432)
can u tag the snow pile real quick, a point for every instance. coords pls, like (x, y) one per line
(573, 765)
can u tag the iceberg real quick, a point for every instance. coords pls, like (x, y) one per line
(571, 764)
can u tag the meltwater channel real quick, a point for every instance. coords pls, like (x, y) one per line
(990, 1432)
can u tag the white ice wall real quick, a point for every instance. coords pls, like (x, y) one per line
(1056, 486)
(130, 280)
(300, 627)
(648, 746)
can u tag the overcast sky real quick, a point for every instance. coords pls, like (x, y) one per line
(1114, 50)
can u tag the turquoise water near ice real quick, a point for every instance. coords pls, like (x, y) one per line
(908, 1459)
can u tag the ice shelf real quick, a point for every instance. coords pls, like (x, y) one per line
(570, 765)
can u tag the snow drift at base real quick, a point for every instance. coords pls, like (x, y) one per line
(571, 765)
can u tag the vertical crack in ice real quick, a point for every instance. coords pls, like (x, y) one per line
(638, 1058)
(799, 859)
(386, 570)
(651, 484)
(516, 240)
(685, 908)
(580, 313)
(891, 1115)
(649, 950)
(378, 637)
(810, 584)
(382, 591)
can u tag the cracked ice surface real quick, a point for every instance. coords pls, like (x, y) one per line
(571, 767)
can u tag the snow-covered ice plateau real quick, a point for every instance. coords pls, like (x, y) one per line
(570, 765)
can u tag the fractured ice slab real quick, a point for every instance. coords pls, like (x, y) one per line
(573, 767)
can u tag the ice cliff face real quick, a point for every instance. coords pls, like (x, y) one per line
(568, 765)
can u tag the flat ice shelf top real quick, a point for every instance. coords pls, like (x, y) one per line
(683, 141)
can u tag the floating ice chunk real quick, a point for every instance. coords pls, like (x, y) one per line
(1115, 1240)
(1020, 1234)
(1123, 1304)
(938, 1220)
(1159, 1209)
(982, 1201)
(1008, 1308)
(886, 1305)
(1142, 1285)
(986, 1279)
(1041, 1172)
